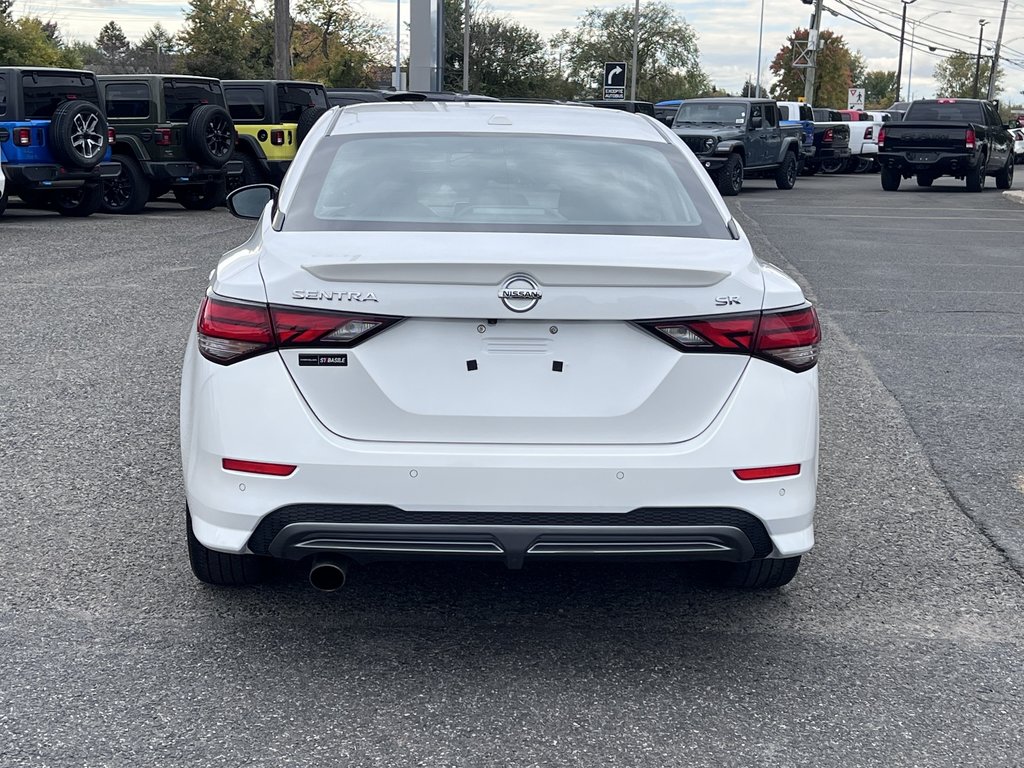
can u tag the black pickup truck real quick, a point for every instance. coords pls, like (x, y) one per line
(963, 138)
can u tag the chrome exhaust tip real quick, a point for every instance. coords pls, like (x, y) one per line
(328, 575)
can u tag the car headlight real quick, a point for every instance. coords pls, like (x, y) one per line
(710, 143)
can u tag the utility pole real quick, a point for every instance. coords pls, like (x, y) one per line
(977, 66)
(398, 45)
(636, 46)
(995, 54)
(282, 41)
(899, 66)
(465, 48)
(760, 38)
(812, 53)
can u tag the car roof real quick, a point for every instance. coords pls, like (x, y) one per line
(303, 83)
(494, 117)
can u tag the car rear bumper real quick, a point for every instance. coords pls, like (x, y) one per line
(934, 162)
(184, 172)
(55, 176)
(503, 501)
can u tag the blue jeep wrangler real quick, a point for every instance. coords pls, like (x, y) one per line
(54, 139)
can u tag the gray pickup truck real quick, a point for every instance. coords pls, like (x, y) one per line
(740, 138)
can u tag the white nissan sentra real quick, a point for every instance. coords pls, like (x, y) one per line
(505, 332)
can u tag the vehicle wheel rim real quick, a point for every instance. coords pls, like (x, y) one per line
(218, 136)
(85, 136)
(791, 173)
(737, 175)
(118, 191)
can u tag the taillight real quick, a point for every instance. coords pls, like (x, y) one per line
(829, 135)
(869, 133)
(881, 137)
(970, 138)
(277, 137)
(23, 137)
(162, 137)
(111, 135)
(789, 338)
(230, 331)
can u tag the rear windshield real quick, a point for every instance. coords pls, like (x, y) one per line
(951, 111)
(295, 99)
(712, 113)
(183, 96)
(245, 103)
(503, 183)
(44, 92)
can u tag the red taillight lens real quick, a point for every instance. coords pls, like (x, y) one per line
(231, 331)
(790, 338)
(258, 467)
(970, 138)
(829, 135)
(767, 473)
(869, 133)
(111, 135)
(162, 137)
(881, 137)
(23, 137)
(277, 137)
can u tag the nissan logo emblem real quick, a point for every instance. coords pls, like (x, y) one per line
(520, 293)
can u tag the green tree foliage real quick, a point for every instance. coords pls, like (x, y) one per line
(879, 89)
(336, 44)
(506, 59)
(156, 51)
(226, 39)
(30, 41)
(113, 47)
(668, 60)
(955, 76)
(836, 68)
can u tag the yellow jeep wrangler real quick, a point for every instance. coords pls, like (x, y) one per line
(272, 118)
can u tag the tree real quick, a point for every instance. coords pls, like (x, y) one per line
(226, 39)
(155, 51)
(879, 89)
(668, 60)
(955, 76)
(836, 66)
(28, 41)
(506, 59)
(336, 44)
(113, 46)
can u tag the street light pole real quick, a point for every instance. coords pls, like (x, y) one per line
(760, 37)
(995, 54)
(398, 45)
(977, 66)
(465, 48)
(636, 45)
(910, 67)
(899, 66)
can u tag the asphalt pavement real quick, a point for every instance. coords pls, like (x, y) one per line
(899, 643)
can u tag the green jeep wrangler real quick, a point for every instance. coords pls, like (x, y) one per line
(272, 118)
(174, 133)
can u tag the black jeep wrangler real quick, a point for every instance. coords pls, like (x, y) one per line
(174, 133)
(272, 118)
(54, 138)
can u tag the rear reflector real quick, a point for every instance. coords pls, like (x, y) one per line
(258, 467)
(767, 473)
(230, 331)
(789, 338)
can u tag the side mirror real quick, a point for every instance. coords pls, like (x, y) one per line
(249, 202)
(756, 123)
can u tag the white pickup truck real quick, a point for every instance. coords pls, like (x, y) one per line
(863, 137)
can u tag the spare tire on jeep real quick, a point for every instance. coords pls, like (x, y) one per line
(307, 120)
(78, 134)
(210, 135)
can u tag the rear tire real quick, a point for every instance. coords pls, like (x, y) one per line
(1004, 179)
(891, 179)
(79, 202)
(729, 179)
(203, 197)
(976, 178)
(755, 574)
(210, 135)
(306, 122)
(924, 180)
(128, 192)
(78, 134)
(223, 569)
(251, 173)
(832, 165)
(3, 203)
(785, 176)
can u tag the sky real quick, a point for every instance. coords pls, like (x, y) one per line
(727, 30)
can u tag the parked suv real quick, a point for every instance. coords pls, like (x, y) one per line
(54, 138)
(174, 133)
(272, 118)
(740, 138)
